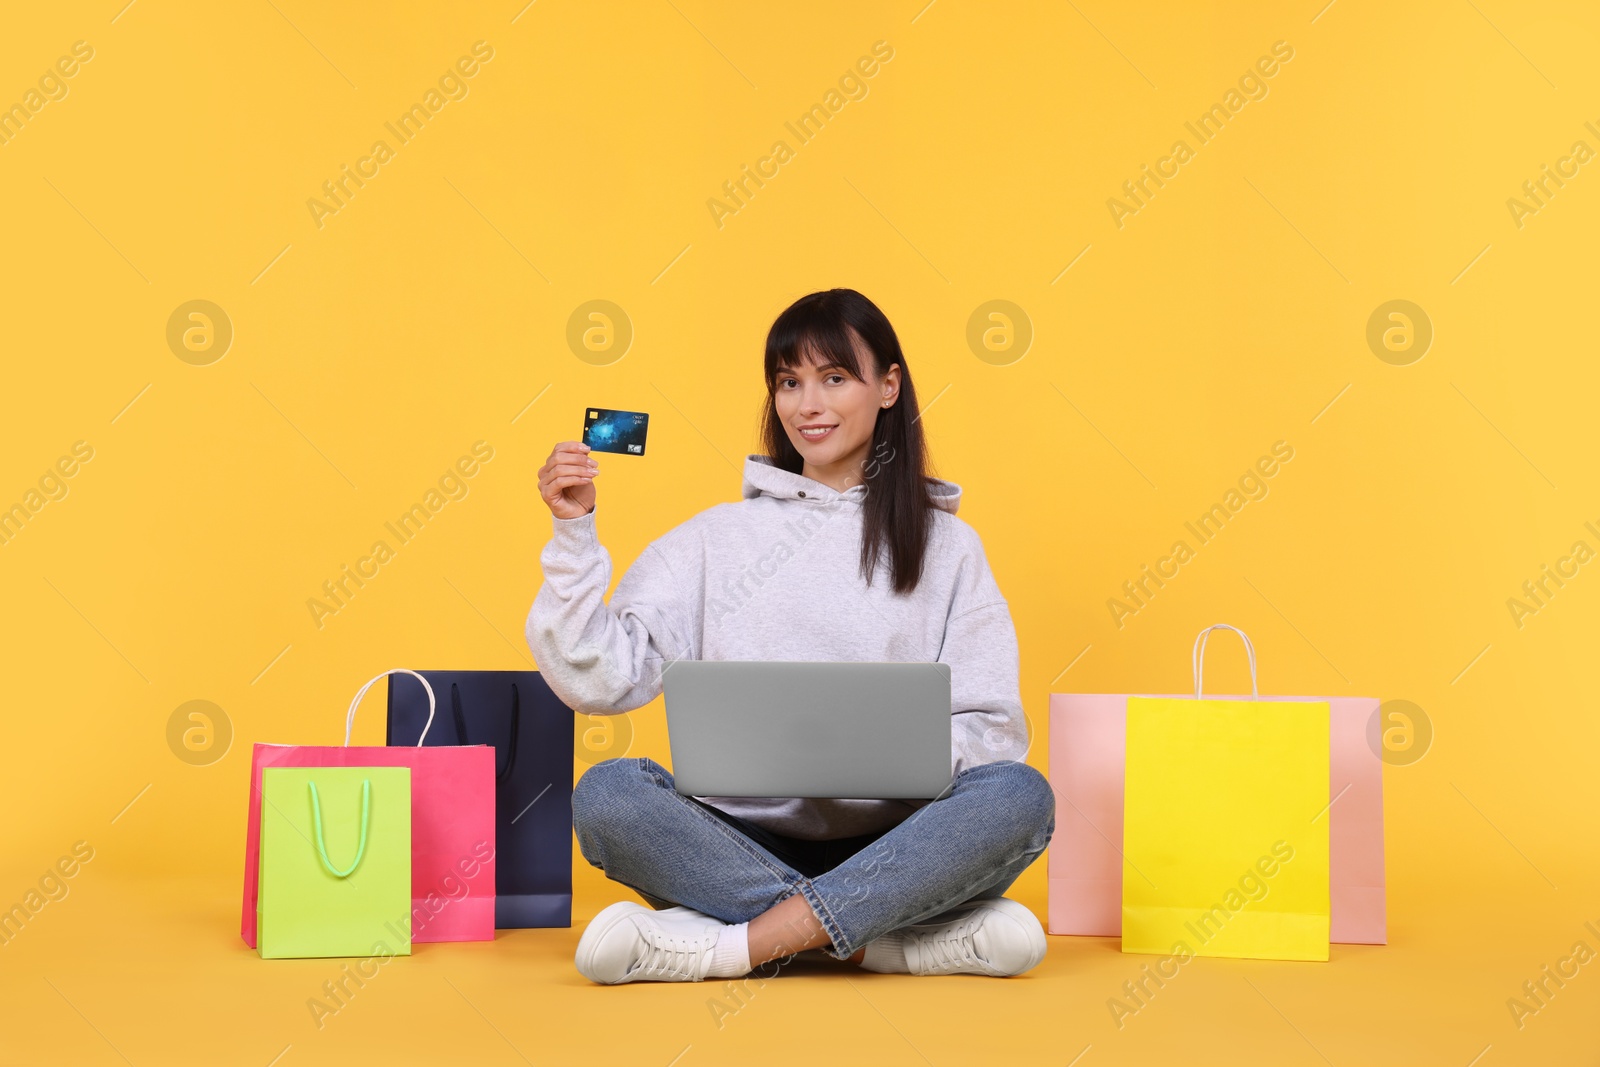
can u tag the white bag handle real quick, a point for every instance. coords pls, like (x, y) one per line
(1199, 657)
(350, 719)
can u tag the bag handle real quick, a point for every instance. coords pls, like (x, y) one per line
(516, 718)
(316, 822)
(350, 719)
(1199, 657)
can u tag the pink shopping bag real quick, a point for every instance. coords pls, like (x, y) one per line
(452, 826)
(1087, 760)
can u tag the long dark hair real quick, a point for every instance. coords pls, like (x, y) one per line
(897, 514)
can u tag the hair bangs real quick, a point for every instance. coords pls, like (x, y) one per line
(817, 340)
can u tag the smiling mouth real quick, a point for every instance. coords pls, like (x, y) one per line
(816, 433)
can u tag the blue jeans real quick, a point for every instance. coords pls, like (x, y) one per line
(970, 844)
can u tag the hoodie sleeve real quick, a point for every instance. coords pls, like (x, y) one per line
(602, 658)
(980, 645)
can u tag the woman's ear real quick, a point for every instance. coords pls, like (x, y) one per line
(891, 385)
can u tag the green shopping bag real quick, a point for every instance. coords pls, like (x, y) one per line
(335, 862)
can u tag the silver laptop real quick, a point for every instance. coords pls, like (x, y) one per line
(800, 729)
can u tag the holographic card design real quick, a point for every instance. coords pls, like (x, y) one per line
(622, 432)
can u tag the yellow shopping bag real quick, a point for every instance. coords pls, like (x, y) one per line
(1225, 838)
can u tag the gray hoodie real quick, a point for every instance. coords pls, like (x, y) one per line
(777, 576)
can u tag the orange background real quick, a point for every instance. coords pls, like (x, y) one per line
(1166, 355)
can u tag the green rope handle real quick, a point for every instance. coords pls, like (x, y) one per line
(322, 848)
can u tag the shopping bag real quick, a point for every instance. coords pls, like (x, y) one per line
(1087, 760)
(335, 857)
(1225, 835)
(531, 731)
(452, 819)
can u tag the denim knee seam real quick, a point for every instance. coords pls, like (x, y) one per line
(780, 873)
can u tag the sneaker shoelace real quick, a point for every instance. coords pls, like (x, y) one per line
(953, 949)
(670, 955)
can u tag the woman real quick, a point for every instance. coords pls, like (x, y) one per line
(842, 549)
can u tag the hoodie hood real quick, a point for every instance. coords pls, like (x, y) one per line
(764, 478)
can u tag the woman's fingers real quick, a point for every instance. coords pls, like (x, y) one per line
(558, 459)
(568, 450)
(566, 481)
(556, 483)
(571, 479)
(574, 471)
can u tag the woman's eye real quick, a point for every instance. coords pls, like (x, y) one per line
(836, 377)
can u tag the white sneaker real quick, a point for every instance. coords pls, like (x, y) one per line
(628, 942)
(999, 938)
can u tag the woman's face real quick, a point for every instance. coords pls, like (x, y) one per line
(829, 416)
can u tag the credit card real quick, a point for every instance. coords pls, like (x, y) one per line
(622, 432)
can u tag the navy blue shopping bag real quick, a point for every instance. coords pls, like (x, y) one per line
(532, 734)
